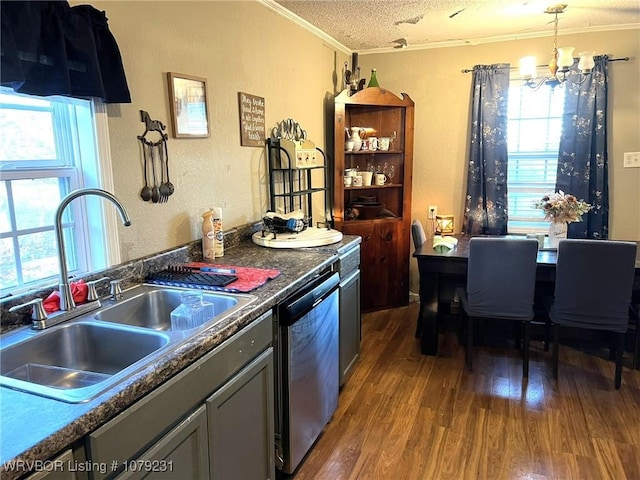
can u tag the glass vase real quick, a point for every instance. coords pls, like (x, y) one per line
(557, 231)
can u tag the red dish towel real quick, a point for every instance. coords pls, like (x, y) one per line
(78, 292)
(248, 278)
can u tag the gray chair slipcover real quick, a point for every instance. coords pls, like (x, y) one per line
(501, 280)
(635, 316)
(419, 237)
(594, 280)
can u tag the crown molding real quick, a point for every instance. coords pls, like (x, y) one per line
(276, 7)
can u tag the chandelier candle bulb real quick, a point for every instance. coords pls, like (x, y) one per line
(586, 63)
(565, 57)
(528, 67)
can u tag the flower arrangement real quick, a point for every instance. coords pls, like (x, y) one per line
(562, 207)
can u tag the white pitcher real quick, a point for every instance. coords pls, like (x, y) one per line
(355, 137)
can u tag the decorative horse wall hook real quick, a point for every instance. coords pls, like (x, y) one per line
(151, 125)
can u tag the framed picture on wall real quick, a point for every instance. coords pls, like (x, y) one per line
(189, 105)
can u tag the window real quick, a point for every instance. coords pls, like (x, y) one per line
(533, 137)
(49, 147)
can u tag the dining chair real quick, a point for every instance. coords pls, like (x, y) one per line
(593, 286)
(419, 237)
(501, 280)
(634, 314)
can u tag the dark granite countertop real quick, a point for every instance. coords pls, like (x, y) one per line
(37, 428)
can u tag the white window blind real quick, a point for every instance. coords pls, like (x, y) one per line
(533, 136)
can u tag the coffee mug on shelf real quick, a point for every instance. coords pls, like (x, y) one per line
(373, 143)
(367, 177)
(348, 180)
(380, 179)
(383, 143)
(357, 181)
(349, 145)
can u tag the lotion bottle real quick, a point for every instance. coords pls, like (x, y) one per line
(218, 232)
(208, 236)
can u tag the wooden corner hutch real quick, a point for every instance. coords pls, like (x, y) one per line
(385, 254)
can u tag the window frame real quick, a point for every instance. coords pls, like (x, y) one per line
(536, 189)
(96, 240)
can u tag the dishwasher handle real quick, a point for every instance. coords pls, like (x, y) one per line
(308, 298)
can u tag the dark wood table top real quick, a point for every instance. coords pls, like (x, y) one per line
(461, 252)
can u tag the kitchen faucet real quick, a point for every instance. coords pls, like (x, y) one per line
(66, 299)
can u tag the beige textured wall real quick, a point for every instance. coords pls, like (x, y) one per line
(433, 79)
(238, 47)
(244, 46)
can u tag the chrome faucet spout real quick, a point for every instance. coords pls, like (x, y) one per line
(66, 299)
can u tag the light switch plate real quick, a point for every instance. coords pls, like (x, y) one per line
(631, 159)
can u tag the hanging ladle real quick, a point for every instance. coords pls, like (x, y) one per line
(146, 192)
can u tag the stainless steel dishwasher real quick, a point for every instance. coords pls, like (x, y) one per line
(307, 372)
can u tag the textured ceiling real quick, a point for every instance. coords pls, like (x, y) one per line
(383, 24)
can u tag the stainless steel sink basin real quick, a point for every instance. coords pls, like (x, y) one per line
(77, 360)
(150, 307)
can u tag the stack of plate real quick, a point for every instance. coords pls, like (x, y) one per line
(367, 207)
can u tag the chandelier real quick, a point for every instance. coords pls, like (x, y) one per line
(561, 61)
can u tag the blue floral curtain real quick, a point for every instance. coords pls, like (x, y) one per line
(486, 201)
(582, 160)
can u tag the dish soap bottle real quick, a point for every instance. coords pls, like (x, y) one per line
(208, 236)
(373, 81)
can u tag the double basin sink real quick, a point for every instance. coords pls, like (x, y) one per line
(81, 358)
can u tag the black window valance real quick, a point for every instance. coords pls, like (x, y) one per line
(51, 48)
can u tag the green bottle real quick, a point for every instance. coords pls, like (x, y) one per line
(373, 81)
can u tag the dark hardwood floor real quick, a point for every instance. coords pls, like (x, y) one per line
(403, 415)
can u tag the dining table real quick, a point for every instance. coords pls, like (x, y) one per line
(441, 271)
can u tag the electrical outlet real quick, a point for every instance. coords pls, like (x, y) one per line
(631, 159)
(433, 211)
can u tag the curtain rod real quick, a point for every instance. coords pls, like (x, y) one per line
(623, 59)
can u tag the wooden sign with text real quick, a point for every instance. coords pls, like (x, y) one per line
(251, 120)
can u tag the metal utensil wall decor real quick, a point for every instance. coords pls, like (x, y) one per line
(152, 150)
(289, 129)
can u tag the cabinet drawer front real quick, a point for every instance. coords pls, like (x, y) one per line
(133, 430)
(349, 262)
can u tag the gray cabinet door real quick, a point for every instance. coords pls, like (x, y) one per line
(60, 468)
(241, 428)
(350, 325)
(182, 453)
